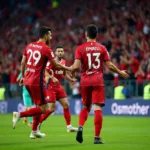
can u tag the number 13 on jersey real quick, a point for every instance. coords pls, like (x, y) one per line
(91, 63)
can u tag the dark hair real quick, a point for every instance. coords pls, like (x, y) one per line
(92, 31)
(59, 47)
(43, 31)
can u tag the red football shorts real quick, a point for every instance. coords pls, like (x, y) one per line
(93, 95)
(55, 93)
(38, 94)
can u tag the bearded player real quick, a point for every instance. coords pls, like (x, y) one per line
(55, 90)
(34, 60)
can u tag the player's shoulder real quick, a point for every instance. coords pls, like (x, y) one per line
(46, 49)
(79, 47)
(45, 46)
(102, 47)
(83, 45)
(35, 45)
(29, 45)
(41, 45)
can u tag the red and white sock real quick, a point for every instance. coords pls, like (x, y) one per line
(98, 119)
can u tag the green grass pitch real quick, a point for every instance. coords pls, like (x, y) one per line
(118, 133)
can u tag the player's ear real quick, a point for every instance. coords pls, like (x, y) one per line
(86, 34)
(45, 37)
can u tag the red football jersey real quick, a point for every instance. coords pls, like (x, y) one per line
(148, 75)
(57, 72)
(92, 56)
(37, 54)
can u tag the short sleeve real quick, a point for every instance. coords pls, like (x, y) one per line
(48, 65)
(64, 62)
(49, 53)
(78, 53)
(106, 55)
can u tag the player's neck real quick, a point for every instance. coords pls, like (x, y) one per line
(42, 40)
(59, 59)
(91, 40)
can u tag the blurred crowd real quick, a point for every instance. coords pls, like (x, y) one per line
(124, 28)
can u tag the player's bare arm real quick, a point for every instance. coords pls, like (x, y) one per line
(76, 65)
(48, 76)
(23, 66)
(125, 60)
(51, 76)
(60, 66)
(18, 79)
(113, 68)
(67, 77)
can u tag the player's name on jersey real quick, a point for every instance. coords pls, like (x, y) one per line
(36, 46)
(92, 48)
(30, 69)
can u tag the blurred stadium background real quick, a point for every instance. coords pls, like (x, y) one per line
(124, 28)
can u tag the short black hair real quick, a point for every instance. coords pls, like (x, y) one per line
(92, 31)
(43, 31)
(60, 46)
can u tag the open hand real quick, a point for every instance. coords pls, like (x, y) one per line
(124, 74)
(73, 81)
(21, 82)
(55, 80)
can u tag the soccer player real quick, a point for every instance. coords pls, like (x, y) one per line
(55, 90)
(92, 55)
(26, 100)
(35, 57)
